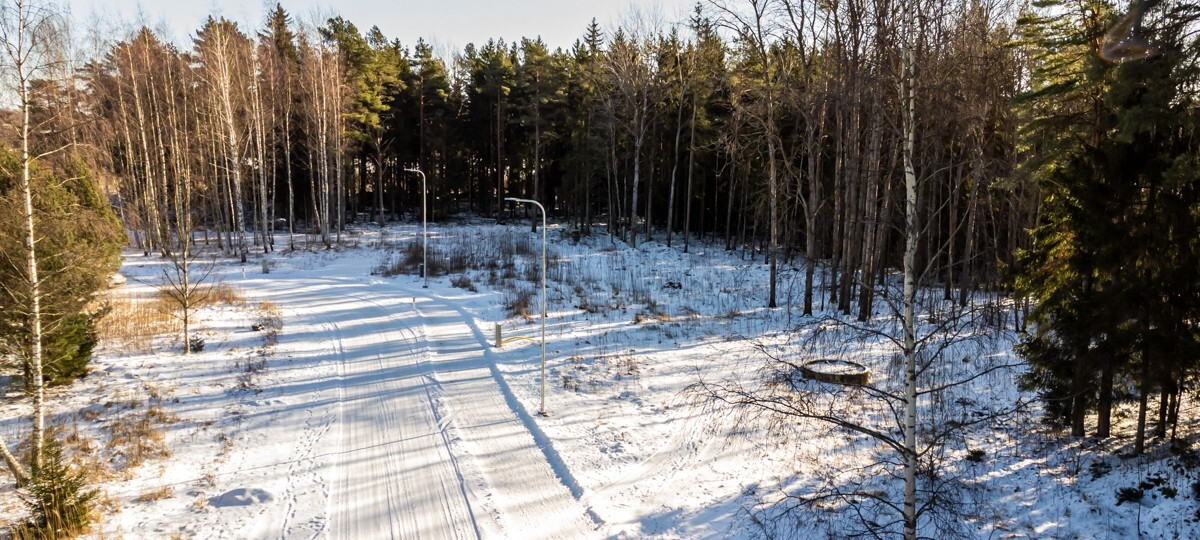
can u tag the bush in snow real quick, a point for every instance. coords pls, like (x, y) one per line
(58, 498)
(1129, 494)
(464, 282)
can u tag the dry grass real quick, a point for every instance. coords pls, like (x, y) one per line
(138, 436)
(94, 468)
(210, 478)
(464, 282)
(154, 495)
(628, 366)
(224, 293)
(106, 504)
(402, 261)
(269, 321)
(227, 443)
(133, 321)
(519, 303)
(267, 307)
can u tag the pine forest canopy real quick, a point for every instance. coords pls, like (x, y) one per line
(774, 127)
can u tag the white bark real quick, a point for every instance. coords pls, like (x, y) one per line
(26, 34)
(260, 143)
(14, 466)
(633, 74)
(150, 193)
(287, 163)
(910, 292)
(221, 78)
(675, 155)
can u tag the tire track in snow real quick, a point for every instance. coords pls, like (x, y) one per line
(432, 393)
(398, 479)
(377, 452)
(429, 439)
(535, 491)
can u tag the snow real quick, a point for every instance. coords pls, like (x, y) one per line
(384, 409)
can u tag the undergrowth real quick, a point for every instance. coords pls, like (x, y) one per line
(58, 498)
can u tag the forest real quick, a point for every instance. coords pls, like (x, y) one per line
(1049, 152)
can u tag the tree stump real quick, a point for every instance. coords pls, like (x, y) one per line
(836, 371)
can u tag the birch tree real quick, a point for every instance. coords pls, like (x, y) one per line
(911, 231)
(30, 33)
(280, 65)
(223, 51)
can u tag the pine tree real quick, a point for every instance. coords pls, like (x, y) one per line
(373, 76)
(493, 76)
(540, 94)
(1113, 147)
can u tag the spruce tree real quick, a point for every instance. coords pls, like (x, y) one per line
(59, 499)
(1112, 265)
(80, 249)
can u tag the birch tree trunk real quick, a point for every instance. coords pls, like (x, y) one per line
(222, 79)
(13, 465)
(910, 290)
(260, 143)
(26, 33)
(639, 137)
(287, 160)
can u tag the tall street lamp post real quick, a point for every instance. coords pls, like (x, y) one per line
(543, 209)
(424, 230)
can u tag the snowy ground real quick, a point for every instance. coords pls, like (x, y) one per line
(382, 408)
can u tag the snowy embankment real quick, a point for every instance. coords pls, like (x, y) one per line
(383, 408)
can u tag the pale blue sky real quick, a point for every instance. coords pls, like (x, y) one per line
(445, 23)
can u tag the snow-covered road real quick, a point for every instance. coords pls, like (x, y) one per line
(382, 411)
(417, 435)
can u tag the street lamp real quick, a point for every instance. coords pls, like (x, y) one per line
(543, 209)
(424, 230)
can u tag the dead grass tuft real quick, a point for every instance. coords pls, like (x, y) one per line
(224, 293)
(133, 321)
(519, 303)
(269, 321)
(137, 436)
(155, 495)
(628, 366)
(402, 261)
(464, 282)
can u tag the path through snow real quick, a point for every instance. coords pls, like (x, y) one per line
(425, 440)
